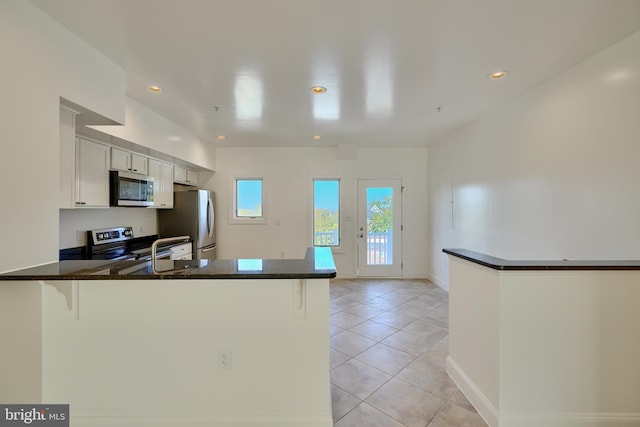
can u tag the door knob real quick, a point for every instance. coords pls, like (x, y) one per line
(361, 236)
(361, 228)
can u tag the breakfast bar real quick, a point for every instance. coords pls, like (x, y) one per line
(198, 343)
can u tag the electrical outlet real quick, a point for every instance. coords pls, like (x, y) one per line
(224, 359)
(281, 254)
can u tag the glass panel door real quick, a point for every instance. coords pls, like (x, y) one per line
(379, 228)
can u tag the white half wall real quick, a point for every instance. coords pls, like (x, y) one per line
(42, 62)
(546, 347)
(148, 352)
(551, 175)
(288, 174)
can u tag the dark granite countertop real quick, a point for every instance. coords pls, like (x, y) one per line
(317, 264)
(503, 264)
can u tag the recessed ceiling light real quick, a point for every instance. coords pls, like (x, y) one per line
(318, 90)
(498, 75)
(316, 137)
(154, 89)
(221, 137)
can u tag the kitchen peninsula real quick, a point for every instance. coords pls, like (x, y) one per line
(209, 343)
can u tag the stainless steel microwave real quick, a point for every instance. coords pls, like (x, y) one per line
(130, 189)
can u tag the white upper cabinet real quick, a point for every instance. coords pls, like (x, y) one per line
(84, 168)
(162, 174)
(92, 174)
(139, 164)
(185, 176)
(179, 174)
(127, 161)
(67, 198)
(192, 177)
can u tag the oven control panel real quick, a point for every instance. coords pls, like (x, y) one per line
(110, 235)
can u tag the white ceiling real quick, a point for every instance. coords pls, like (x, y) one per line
(388, 65)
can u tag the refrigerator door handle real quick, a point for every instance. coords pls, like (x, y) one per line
(209, 249)
(210, 217)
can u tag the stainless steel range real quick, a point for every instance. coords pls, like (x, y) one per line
(119, 243)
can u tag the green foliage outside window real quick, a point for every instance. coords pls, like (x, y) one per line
(380, 215)
(326, 212)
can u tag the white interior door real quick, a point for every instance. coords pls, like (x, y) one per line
(379, 228)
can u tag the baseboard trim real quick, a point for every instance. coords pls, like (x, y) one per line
(494, 418)
(204, 421)
(568, 419)
(439, 282)
(475, 396)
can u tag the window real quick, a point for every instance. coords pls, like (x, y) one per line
(326, 212)
(248, 199)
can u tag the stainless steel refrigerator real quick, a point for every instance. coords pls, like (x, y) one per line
(193, 215)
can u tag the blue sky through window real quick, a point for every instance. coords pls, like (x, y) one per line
(378, 193)
(249, 197)
(326, 194)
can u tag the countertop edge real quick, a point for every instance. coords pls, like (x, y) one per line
(94, 277)
(506, 265)
(318, 263)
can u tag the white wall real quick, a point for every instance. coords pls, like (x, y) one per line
(145, 127)
(551, 175)
(72, 221)
(42, 61)
(288, 174)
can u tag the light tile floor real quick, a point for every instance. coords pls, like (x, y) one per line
(389, 341)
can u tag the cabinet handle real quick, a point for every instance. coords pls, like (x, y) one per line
(135, 170)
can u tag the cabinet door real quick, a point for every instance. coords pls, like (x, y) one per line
(92, 174)
(179, 174)
(192, 177)
(138, 164)
(182, 251)
(67, 158)
(120, 159)
(155, 172)
(167, 185)
(162, 174)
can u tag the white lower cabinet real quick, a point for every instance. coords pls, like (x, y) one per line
(162, 174)
(181, 252)
(91, 174)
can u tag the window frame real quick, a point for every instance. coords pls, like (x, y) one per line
(233, 217)
(337, 247)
